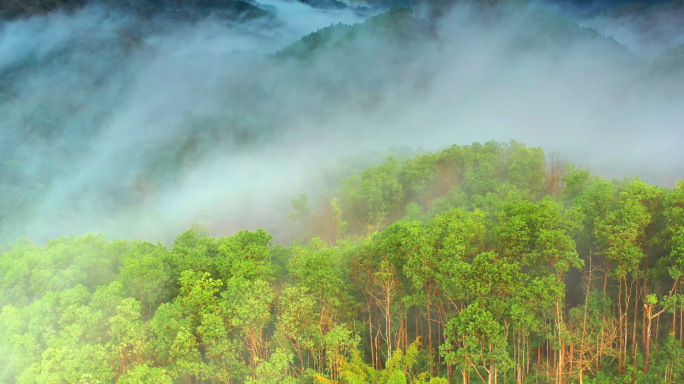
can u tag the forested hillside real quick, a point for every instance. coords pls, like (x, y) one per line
(194, 9)
(480, 263)
(671, 61)
(11, 9)
(494, 262)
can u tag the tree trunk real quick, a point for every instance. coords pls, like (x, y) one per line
(430, 338)
(648, 338)
(559, 321)
(370, 327)
(656, 329)
(621, 329)
(674, 323)
(634, 326)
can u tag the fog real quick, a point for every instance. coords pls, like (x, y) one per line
(647, 33)
(115, 109)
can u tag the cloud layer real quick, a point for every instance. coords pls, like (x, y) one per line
(272, 126)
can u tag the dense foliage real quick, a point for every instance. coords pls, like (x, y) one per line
(483, 263)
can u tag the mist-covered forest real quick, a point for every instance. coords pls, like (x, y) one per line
(480, 263)
(323, 191)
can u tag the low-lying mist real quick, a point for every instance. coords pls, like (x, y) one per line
(137, 128)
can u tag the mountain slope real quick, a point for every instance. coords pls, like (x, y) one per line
(177, 9)
(671, 61)
(12, 9)
(538, 28)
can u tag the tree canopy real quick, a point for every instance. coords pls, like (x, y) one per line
(480, 263)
